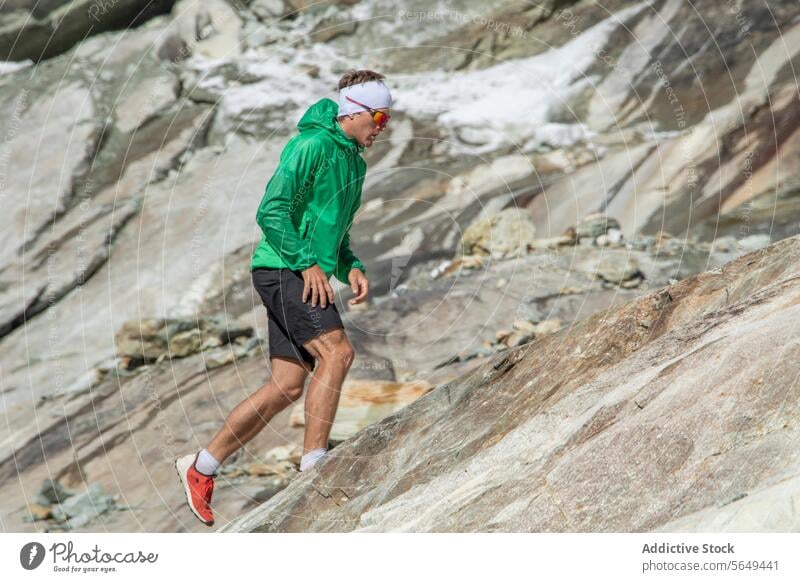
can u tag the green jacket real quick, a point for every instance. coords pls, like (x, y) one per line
(310, 201)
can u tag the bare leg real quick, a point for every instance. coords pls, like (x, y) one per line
(334, 355)
(254, 412)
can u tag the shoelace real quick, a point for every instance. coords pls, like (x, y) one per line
(208, 488)
(205, 488)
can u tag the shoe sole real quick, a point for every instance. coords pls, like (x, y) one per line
(181, 466)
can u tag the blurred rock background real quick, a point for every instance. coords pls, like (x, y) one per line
(545, 162)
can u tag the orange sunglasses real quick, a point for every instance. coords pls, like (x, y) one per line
(379, 117)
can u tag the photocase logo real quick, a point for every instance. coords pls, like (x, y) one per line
(31, 555)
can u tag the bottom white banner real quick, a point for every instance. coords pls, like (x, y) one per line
(394, 556)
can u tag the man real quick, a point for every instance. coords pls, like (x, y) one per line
(305, 218)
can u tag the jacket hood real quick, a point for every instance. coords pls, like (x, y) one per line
(322, 115)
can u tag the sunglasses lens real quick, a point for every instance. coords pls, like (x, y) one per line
(380, 118)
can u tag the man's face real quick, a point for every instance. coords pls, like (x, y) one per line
(363, 127)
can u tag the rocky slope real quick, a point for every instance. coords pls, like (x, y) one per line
(545, 163)
(174, 381)
(674, 412)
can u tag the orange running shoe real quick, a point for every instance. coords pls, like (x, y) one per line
(198, 488)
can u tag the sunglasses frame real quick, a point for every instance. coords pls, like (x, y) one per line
(372, 111)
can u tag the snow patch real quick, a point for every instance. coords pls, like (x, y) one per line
(11, 66)
(492, 108)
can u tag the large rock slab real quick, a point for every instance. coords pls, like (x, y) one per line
(682, 400)
(41, 30)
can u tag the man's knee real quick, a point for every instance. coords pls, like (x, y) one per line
(332, 347)
(285, 392)
(288, 377)
(346, 355)
(292, 393)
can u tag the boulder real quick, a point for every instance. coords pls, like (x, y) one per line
(52, 492)
(210, 29)
(329, 28)
(82, 508)
(147, 340)
(595, 224)
(619, 268)
(505, 234)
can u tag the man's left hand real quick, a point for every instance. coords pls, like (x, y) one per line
(359, 284)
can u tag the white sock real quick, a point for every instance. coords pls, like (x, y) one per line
(310, 458)
(206, 463)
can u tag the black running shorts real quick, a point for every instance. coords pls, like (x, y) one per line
(291, 322)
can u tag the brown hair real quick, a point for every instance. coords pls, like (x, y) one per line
(353, 77)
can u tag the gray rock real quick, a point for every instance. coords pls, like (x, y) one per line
(754, 242)
(184, 343)
(305, 5)
(150, 339)
(220, 357)
(52, 492)
(209, 29)
(329, 28)
(518, 338)
(82, 508)
(43, 30)
(227, 329)
(524, 325)
(505, 234)
(271, 487)
(595, 225)
(267, 10)
(618, 268)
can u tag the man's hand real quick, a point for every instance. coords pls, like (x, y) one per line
(316, 284)
(359, 284)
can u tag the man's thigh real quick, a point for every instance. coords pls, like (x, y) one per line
(288, 372)
(292, 323)
(304, 321)
(281, 345)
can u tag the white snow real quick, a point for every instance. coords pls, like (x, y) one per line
(283, 92)
(511, 102)
(416, 22)
(11, 66)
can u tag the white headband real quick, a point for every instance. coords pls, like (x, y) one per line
(373, 94)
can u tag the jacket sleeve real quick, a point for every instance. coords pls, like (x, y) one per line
(285, 190)
(346, 261)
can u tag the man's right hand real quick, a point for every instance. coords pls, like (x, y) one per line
(317, 286)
